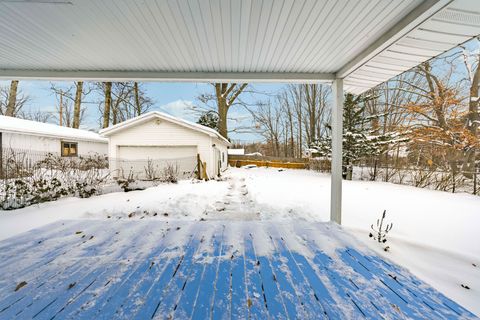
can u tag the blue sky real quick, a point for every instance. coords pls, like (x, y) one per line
(174, 98)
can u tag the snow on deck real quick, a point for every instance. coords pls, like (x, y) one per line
(93, 269)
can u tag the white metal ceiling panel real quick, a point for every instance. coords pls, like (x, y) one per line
(420, 51)
(365, 41)
(409, 41)
(454, 24)
(288, 36)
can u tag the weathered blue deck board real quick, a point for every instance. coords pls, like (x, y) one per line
(191, 296)
(41, 274)
(338, 286)
(347, 289)
(273, 298)
(198, 270)
(153, 298)
(399, 301)
(411, 302)
(31, 240)
(370, 303)
(46, 266)
(62, 235)
(222, 295)
(115, 292)
(134, 299)
(303, 289)
(414, 286)
(293, 304)
(204, 301)
(35, 303)
(256, 301)
(53, 298)
(57, 249)
(239, 291)
(170, 297)
(437, 306)
(46, 280)
(321, 293)
(121, 293)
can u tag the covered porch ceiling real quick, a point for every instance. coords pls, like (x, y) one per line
(364, 42)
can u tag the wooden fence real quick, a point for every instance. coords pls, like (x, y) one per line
(273, 162)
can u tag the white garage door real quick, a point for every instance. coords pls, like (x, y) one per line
(145, 162)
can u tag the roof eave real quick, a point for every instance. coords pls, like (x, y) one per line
(58, 136)
(155, 114)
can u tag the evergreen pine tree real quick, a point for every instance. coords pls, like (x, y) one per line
(359, 140)
(209, 119)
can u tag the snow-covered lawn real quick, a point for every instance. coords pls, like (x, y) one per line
(435, 235)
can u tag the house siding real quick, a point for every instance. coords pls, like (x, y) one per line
(49, 144)
(223, 154)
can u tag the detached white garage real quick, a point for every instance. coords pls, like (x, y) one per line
(155, 140)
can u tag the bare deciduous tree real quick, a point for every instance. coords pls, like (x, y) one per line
(122, 101)
(12, 100)
(36, 115)
(225, 96)
(71, 109)
(270, 119)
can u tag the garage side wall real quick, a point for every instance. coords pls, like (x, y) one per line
(223, 154)
(158, 132)
(49, 144)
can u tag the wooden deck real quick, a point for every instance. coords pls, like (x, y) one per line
(143, 269)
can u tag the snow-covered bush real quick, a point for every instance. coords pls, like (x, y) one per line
(170, 173)
(30, 180)
(15, 164)
(320, 164)
(151, 171)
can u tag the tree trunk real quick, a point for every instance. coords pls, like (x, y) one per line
(60, 109)
(300, 131)
(115, 111)
(137, 99)
(292, 141)
(473, 121)
(108, 102)
(226, 95)
(12, 99)
(220, 89)
(77, 105)
(311, 99)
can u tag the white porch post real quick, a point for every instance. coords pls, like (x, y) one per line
(337, 133)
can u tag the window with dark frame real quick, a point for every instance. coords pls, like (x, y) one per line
(69, 149)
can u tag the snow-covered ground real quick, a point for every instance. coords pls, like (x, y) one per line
(435, 234)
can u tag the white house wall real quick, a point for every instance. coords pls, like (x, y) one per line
(157, 132)
(49, 144)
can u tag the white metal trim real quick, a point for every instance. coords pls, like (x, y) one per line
(424, 11)
(99, 75)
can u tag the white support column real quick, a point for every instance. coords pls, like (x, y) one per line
(337, 137)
